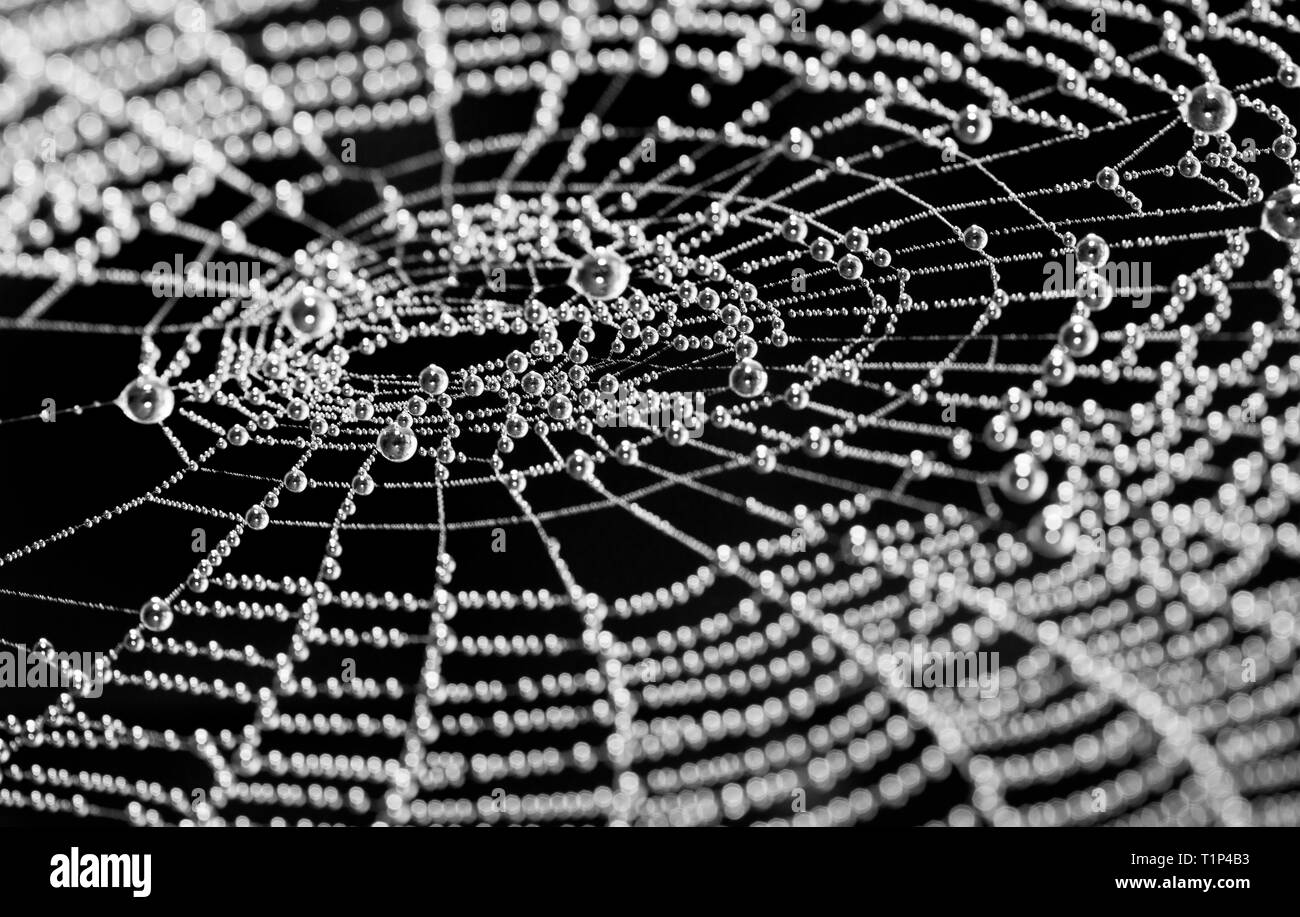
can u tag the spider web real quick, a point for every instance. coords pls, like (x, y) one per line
(613, 584)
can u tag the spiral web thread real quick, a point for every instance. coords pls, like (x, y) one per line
(686, 626)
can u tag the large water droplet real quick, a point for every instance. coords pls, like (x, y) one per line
(257, 517)
(975, 237)
(312, 314)
(1023, 479)
(1210, 108)
(433, 379)
(147, 400)
(1079, 337)
(1281, 218)
(973, 125)
(601, 275)
(1058, 368)
(748, 378)
(1052, 533)
(1092, 250)
(156, 615)
(397, 443)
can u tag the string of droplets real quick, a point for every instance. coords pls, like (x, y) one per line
(1140, 637)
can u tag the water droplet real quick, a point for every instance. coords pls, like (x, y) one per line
(1281, 218)
(1210, 108)
(973, 125)
(975, 238)
(1079, 337)
(748, 378)
(156, 615)
(579, 465)
(850, 267)
(1000, 434)
(257, 517)
(311, 314)
(799, 144)
(396, 442)
(560, 407)
(1093, 292)
(516, 426)
(1189, 166)
(601, 275)
(433, 379)
(817, 444)
(626, 453)
(1058, 368)
(764, 459)
(1023, 479)
(794, 229)
(147, 400)
(1051, 533)
(1092, 250)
